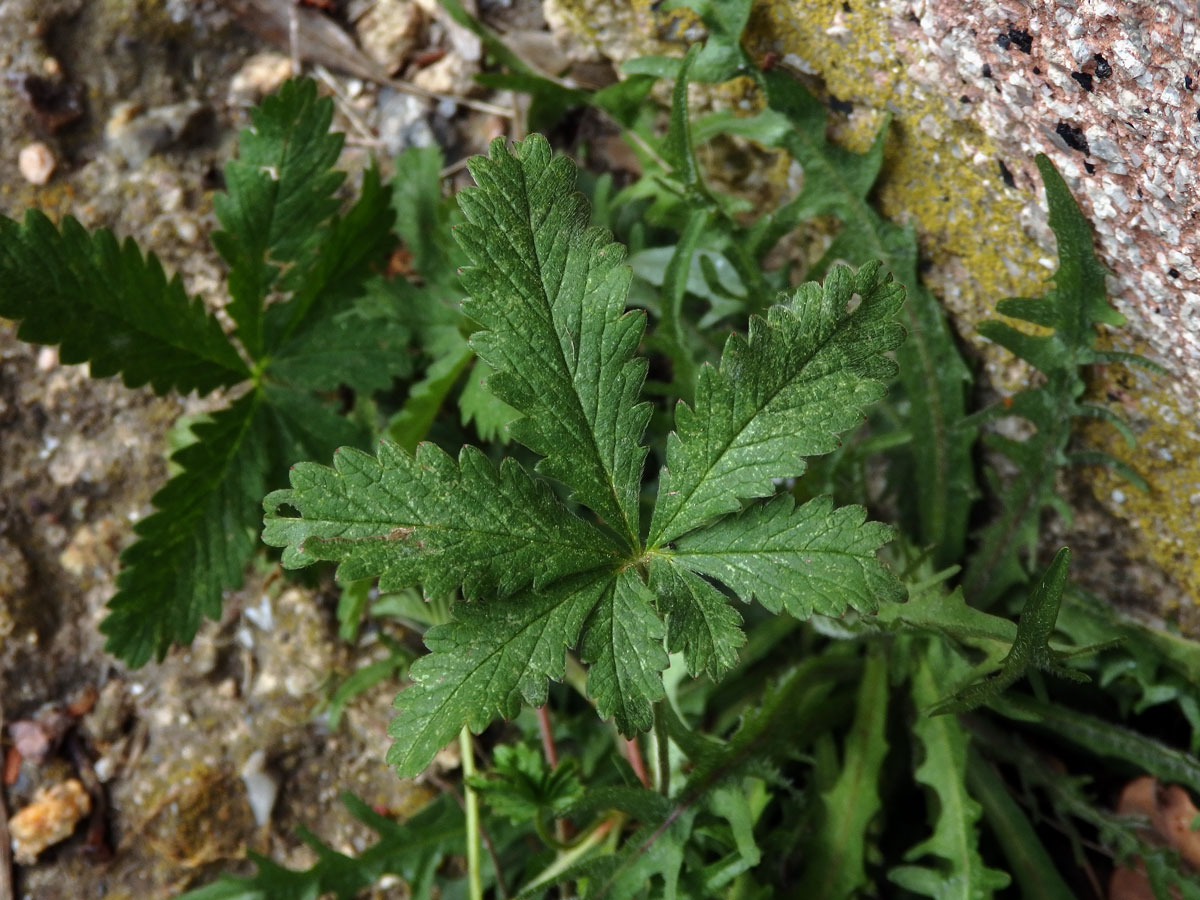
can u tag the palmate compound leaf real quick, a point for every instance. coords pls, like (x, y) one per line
(538, 580)
(802, 376)
(549, 292)
(324, 335)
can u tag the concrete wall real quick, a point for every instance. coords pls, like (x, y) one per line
(1109, 90)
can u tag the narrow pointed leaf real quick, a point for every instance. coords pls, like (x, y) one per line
(960, 872)
(278, 193)
(198, 540)
(838, 849)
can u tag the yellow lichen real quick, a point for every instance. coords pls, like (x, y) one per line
(941, 175)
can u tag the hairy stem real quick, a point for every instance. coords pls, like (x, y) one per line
(662, 746)
(474, 846)
(548, 745)
(633, 753)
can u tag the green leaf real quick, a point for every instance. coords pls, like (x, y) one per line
(932, 371)
(677, 147)
(477, 406)
(700, 621)
(838, 849)
(549, 292)
(494, 655)
(801, 377)
(330, 280)
(623, 643)
(1032, 868)
(522, 786)
(1031, 649)
(721, 57)
(279, 192)
(1100, 737)
(412, 850)
(1073, 309)
(800, 559)
(107, 305)
(197, 542)
(357, 348)
(452, 357)
(424, 217)
(427, 520)
(960, 873)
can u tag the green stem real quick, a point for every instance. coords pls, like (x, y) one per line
(662, 746)
(474, 844)
(674, 288)
(566, 859)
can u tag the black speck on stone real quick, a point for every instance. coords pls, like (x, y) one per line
(1198, 115)
(1002, 41)
(1037, 71)
(964, 99)
(1173, 272)
(1089, 168)
(1085, 80)
(1020, 39)
(1103, 69)
(987, 71)
(845, 107)
(1072, 137)
(1188, 83)
(846, 8)
(1006, 174)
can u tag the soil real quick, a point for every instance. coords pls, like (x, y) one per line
(140, 102)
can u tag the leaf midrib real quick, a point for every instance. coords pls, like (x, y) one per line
(655, 539)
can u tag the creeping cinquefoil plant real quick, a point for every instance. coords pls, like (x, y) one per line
(539, 573)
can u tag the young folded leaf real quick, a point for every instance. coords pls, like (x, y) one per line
(1031, 649)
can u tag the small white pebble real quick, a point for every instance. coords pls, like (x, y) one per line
(187, 231)
(261, 787)
(36, 162)
(47, 359)
(1118, 496)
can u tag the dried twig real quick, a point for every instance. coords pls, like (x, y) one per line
(365, 131)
